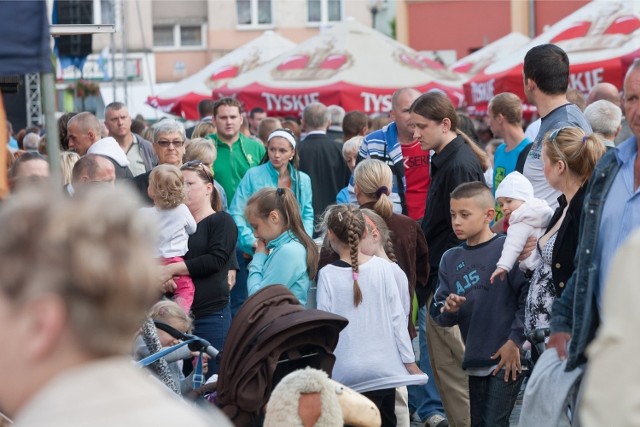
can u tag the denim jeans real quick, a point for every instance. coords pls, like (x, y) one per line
(213, 328)
(424, 399)
(239, 292)
(492, 399)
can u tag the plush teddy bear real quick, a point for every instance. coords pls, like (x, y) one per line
(308, 398)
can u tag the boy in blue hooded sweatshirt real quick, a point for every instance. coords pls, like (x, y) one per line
(490, 317)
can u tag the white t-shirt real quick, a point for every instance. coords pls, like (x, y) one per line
(374, 346)
(174, 226)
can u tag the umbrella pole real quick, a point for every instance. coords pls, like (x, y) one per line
(53, 143)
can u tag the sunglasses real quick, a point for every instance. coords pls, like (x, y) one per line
(164, 143)
(197, 164)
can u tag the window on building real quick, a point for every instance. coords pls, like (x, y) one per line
(107, 11)
(178, 36)
(254, 12)
(324, 10)
(104, 12)
(191, 35)
(163, 36)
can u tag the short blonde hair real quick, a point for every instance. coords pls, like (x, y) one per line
(166, 185)
(70, 247)
(167, 311)
(67, 160)
(351, 145)
(203, 129)
(200, 149)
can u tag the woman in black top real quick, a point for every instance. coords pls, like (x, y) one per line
(209, 258)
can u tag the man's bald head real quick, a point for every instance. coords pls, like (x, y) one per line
(605, 91)
(93, 168)
(83, 130)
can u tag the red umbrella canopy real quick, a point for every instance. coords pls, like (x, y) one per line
(182, 99)
(601, 40)
(479, 60)
(350, 65)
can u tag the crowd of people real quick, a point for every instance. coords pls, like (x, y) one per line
(469, 269)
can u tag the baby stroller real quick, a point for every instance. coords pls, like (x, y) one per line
(271, 336)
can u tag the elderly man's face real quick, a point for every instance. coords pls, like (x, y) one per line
(79, 141)
(631, 101)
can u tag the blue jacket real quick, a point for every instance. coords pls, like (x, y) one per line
(285, 265)
(575, 312)
(264, 176)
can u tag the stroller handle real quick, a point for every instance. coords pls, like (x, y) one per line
(195, 343)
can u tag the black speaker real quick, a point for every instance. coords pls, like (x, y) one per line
(74, 12)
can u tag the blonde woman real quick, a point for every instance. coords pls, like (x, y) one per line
(67, 160)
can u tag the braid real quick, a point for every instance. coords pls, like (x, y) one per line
(354, 242)
(388, 249)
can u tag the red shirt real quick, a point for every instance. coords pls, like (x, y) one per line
(416, 172)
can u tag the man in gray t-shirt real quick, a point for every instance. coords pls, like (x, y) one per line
(546, 79)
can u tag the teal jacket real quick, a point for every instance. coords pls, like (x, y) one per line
(285, 265)
(260, 177)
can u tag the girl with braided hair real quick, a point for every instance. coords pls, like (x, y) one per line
(374, 353)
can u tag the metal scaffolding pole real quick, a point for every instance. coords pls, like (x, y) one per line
(34, 103)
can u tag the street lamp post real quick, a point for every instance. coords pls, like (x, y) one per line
(375, 6)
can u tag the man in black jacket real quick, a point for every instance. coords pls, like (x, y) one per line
(321, 158)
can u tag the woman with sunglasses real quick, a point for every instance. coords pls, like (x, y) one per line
(210, 256)
(568, 156)
(168, 143)
(278, 170)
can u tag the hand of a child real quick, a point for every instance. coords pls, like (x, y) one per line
(261, 247)
(205, 360)
(500, 272)
(452, 303)
(231, 278)
(529, 247)
(509, 355)
(413, 369)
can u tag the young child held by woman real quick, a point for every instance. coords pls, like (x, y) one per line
(285, 254)
(172, 314)
(175, 224)
(374, 354)
(526, 215)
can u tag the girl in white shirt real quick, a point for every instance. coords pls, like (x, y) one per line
(374, 353)
(175, 224)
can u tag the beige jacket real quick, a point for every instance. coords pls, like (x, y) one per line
(612, 387)
(108, 393)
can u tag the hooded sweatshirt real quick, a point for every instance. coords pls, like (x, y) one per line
(530, 219)
(108, 147)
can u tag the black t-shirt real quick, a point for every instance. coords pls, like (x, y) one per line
(454, 165)
(209, 259)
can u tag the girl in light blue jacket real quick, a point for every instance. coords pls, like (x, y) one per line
(277, 171)
(284, 254)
